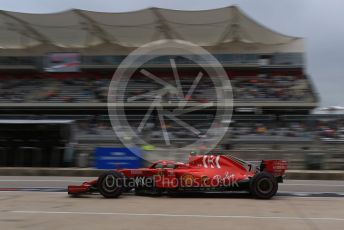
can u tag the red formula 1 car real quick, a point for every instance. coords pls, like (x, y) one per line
(203, 173)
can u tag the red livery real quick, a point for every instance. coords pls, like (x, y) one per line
(203, 173)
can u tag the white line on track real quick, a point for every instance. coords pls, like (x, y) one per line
(34, 188)
(310, 192)
(313, 197)
(21, 180)
(317, 185)
(28, 192)
(182, 215)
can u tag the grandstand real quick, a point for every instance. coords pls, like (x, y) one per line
(272, 90)
(266, 67)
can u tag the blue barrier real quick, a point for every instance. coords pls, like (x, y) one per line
(114, 158)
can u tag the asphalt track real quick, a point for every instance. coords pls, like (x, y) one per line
(41, 203)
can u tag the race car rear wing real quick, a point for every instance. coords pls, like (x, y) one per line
(275, 167)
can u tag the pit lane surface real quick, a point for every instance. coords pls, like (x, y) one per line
(55, 210)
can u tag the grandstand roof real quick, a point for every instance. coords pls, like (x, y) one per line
(84, 29)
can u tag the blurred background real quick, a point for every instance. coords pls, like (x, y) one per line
(55, 71)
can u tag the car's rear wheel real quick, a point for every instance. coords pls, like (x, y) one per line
(111, 184)
(263, 185)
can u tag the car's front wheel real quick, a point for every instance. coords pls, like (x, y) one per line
(263, 185)
(111, 184)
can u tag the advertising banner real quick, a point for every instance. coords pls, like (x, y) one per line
(115, 158)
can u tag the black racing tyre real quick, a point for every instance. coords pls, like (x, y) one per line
(263, 185)
(111, 184)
